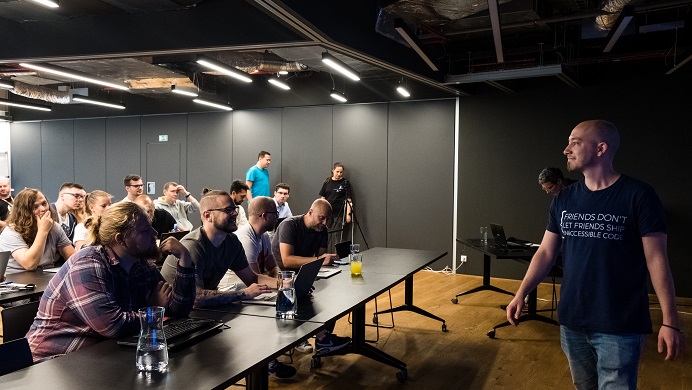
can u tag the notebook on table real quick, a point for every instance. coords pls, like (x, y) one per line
(181, 331)
(303, 283)
(501, 239)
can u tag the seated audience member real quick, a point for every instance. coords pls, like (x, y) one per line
(281, 192)
(552, 181)
(253, 235)
(6, 200)
(214, 250)
(97, 292)
(31, 234)
(161, 220)
(300, 240)
(70, 198)
(96, 202)
(239, 194)
(133, 186)
(176, 207)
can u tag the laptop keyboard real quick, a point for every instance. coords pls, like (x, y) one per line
(185, 326)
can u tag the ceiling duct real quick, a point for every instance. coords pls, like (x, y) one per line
(41, 93)
(259, 62)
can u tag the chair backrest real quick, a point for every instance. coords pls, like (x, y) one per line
(15, 355)
(17, 320)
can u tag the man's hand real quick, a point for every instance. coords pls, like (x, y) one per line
(182, 189)
(45, 223)
(161, 295)
(514, 310)
(255, 290)
(329, 258)
(171, 246)
(673, 341)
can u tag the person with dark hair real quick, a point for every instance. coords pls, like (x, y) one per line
(176, 207)
(134, 187)
(552, 181)
(239, 192)
(337, 191)
(6, 200)
(31, 235)
(612, 230)
(281, 193)
(97, 292)
(257, 177)
(71, 197)
(96, 203)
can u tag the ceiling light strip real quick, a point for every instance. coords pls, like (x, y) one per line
(47, 3)
(213, 104)
(184, 91)
(338, 96)
(403, 91)
(86, 99)
(340, 66)
(6, 84)
(279, 84)
(73, 74)
(223, 68)
(24, 105)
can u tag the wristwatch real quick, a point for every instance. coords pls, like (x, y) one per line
(188, 194)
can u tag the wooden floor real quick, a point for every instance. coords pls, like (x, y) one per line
(527, 357)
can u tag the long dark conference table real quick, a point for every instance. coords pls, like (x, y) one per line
(255, 337)
(523, 255)
(38, 277)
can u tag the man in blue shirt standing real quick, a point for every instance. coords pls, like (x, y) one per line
(612, 230)
(257, 177)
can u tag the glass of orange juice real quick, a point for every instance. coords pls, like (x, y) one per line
(356, 263)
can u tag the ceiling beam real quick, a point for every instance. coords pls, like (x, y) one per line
(493, 9)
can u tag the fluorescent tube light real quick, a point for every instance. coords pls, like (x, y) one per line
(223, 68)
(403, 91)
(279, 84)
(213, 104)
(336, 64)
(283, 72)
(74, 74)
(184, 91)
(338, 96)
(47, 3)
(24, 105)
(86, 99)
(6, 84)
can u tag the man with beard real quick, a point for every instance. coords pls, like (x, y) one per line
(300, 240)
(97, 292)
(612, 230)
(239, 195)
(214, 250)
(134, 187)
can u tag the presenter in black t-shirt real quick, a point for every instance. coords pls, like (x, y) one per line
(338, 192)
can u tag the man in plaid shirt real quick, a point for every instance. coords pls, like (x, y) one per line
(97, 292)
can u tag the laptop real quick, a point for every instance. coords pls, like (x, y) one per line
(4, 259)
(181, 331)
(307, 274)
(501, 240)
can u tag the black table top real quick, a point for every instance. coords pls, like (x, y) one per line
(38, 277)
(492, 250)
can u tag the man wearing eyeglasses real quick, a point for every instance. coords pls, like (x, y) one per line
(262, 216)
(215, 250)
(71, 197)
(133, 186)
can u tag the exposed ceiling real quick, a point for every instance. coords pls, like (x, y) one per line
(467, 47)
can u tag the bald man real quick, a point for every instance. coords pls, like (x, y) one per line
(161, 220)
(612, 230)
(302, 239)
(262, 216)
(6, 200)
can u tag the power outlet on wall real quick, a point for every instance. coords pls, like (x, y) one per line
(462, 259)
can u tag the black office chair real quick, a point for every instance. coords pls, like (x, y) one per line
(17, 320)
(15, 355)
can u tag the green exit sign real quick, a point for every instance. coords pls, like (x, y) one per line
(163, 138)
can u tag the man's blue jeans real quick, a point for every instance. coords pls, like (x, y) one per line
(602, 360)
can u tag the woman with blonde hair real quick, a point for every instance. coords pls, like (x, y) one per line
(96, 202)
(31, 235)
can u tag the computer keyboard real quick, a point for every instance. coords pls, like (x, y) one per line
(185, 326)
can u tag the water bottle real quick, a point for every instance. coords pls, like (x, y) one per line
(175, 227)
(286, 304)
(152, 349)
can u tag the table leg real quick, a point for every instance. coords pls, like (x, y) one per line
(486, 283)
(530, 316)
(258, 379)
(409, 306)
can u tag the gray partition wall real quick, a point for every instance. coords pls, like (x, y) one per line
(391, 153)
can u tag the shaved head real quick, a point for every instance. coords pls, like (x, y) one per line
(603, 131)
(259, 205)
(321, 205)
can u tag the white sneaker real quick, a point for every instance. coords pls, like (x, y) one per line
(304, 347)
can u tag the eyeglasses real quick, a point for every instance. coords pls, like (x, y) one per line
(136, 185)
(228, 210)
(271, 212)
(76, 196)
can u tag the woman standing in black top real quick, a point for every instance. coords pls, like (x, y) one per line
(338, 192)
